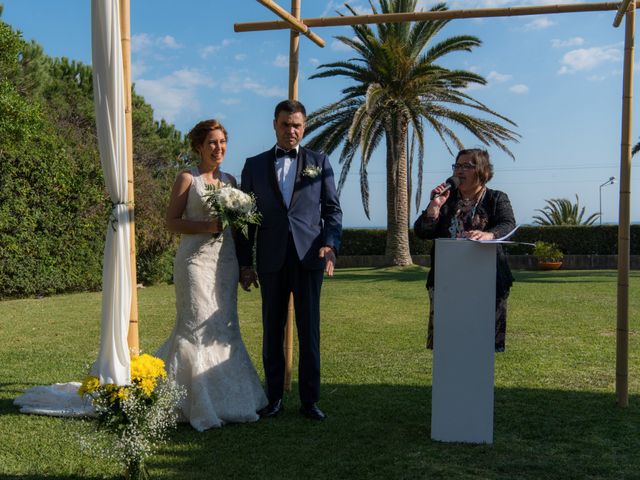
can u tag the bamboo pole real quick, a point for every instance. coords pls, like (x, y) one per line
(292, 21)
(624, 7)
(624, 232)
(294, 46)
(424, 16)
(125, 39)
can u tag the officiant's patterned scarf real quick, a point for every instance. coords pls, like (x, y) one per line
(468, 216)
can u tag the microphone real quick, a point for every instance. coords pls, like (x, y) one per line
(451, 183)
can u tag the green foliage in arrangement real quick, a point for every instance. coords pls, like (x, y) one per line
(547, 252)
(555, 415)
(54, 207)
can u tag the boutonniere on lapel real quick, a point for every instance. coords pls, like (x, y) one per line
(311, 171)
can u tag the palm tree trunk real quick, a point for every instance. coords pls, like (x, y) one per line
(397, 249)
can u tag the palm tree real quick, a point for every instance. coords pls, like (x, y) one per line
(560, 211)
(398, 90)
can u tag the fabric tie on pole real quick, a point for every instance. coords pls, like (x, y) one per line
(112, 365)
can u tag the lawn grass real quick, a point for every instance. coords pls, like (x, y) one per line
(555, 412)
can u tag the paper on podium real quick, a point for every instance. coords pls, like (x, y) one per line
(502, 239)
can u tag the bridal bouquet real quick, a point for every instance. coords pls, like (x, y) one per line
(234, 207)
(133, 419)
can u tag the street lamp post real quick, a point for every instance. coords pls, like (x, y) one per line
(611, 181)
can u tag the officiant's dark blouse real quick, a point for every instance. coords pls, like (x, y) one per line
(493, 214)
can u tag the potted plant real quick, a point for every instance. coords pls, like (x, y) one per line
(549, 255)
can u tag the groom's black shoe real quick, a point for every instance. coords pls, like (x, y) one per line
(311, 410)
(271, 410)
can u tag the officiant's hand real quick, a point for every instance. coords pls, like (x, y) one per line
(330, 259)
(479, 235)
(248, 277)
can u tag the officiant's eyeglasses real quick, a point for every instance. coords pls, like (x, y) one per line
(463, 166)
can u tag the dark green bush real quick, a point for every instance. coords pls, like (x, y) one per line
(574, 240)
(53, 205)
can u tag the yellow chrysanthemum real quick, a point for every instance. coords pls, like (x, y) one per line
(118, 393)
(147, 367)
(89, 385)
(147, 385)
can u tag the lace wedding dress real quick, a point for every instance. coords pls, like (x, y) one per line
(205, 352)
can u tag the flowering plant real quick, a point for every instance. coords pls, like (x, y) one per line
(311, 171)
(234, 207)
(134, 417)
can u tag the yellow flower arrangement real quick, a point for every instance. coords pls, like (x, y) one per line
(136, 415)
(90, 384)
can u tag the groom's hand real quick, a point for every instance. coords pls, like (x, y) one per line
(330, 259)
(248, 277)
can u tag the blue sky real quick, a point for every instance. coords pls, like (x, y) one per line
(559, 77)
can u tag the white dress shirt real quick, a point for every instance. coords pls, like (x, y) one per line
(286, 168)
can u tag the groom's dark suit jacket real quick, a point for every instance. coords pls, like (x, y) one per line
(314, 216)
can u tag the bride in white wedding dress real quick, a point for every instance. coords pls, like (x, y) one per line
(205, 352)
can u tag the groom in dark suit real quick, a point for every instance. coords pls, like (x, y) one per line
(297, 240)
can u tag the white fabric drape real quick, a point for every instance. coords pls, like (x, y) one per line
(112, 365)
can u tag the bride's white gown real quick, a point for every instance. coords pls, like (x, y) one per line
(205, 352)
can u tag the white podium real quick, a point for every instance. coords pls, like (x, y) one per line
(464, 341)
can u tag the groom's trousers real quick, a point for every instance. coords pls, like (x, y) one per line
(275, 288)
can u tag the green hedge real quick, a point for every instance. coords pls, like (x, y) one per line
(572, 240)
(370, 241)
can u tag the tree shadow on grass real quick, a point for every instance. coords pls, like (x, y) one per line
(568, 276)
(383, 431)
(399, 274)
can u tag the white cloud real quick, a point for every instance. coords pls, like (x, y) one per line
(338, 46)
(588, 58)
(471, 4)
(333, 7)
(138, 68)
(314, 61)
(209, 50)
(230, 101)
(520, 89)
(498, 77)
(539, 23)
(240, 57)
(219, 115)
(173, 94)
(144, 42)
(170, 42)
(571, 42)
(140, 42)
(281, 61)
(236, 84)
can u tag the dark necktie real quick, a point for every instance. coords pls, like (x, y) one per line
(289, 153)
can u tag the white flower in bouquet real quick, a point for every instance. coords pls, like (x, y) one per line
(233, 207)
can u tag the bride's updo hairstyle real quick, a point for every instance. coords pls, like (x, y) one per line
(480, 158)
(201, 130)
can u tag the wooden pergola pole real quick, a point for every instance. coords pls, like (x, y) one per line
(125, 38)
(292, 21)
(624, 231)
(622, 10)
(294, 44)
(424, 16)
